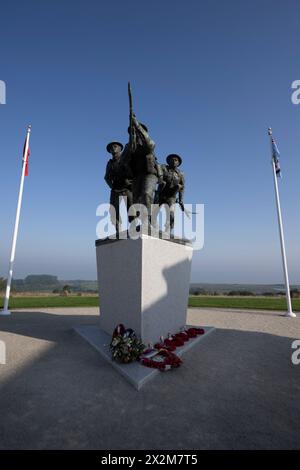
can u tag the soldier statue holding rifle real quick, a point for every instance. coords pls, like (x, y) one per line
(140, 158)
(118, 178)
(135, 173)
(171, 189)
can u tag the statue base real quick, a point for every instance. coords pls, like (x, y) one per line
(144, 284)
(135, 373)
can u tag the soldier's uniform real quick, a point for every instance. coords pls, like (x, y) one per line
(172, 187)
(144, 167)
(118, 178)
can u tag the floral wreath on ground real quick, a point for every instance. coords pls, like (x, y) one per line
(126, 347)
(162, 356)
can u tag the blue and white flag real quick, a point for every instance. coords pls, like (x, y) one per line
(275, 156)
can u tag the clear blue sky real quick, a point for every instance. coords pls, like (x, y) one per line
(208, 78)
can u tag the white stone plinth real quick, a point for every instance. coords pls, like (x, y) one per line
(143, 284)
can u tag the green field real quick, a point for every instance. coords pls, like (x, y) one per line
(265, 303)
(52, 301)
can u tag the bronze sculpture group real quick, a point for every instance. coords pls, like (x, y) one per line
(133, 172)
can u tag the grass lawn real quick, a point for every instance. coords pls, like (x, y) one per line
(52, 301)
(265, 303)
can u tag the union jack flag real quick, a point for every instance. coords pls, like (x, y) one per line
(275, 155)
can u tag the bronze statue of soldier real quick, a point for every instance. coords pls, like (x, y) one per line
(135, 172)
(171, 190)
(118, 178)
(146, 172)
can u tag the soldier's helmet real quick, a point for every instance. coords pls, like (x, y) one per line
(173, 155)
(108, 147)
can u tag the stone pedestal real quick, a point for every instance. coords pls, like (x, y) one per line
(144, 284)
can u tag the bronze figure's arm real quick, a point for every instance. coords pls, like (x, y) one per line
(147, 141)
(181, 189)
(108, 176)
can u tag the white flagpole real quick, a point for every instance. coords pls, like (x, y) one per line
(289, 312)
(5, 310)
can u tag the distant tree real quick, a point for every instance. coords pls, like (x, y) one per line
(203, 292)
(55, 291)
(66, 289)
(40, 279)
(2, 283)
(37, 283)
(294, 293)
(240, 293)
(17, 285)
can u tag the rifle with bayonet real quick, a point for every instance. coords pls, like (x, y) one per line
(187, 213)
(132, 138)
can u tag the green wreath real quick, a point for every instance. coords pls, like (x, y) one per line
(125, 346)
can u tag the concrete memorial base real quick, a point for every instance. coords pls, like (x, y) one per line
(144, 284)
(134, 372)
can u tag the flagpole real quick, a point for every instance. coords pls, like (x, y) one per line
(289, 312)
(5, 310)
